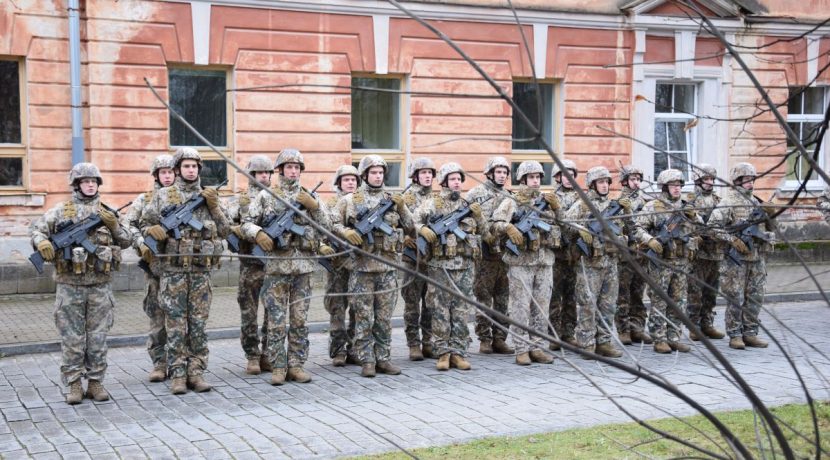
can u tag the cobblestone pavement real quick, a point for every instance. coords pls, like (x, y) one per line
(341, 413)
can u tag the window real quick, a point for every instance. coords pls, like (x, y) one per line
(12, 134)
(547, 166)
(377, 124)
(674, 109)
(806, 108)
(527, 96)
(214, 172)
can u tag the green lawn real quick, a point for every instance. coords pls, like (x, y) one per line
(609, 441)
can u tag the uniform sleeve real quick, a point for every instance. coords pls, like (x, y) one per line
(339, 217)
(252, 219)
(122, 236)
(502, 216)
(321, 215)
(422, 214)
(407, 222)
(643, 223)
(223, 224)
(720, 218)
(41, 228)
(151, 214)
(131, 221)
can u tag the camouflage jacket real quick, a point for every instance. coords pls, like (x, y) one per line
(656, 213)
(343, 262)
(824, 204)
(346, 215)
(456, 254)
(200, 250)
(735, 207)
(84, 269)
(711, 248)
(131, 221)
(547, 242)
(236, 209)
(489, 197)
(600, 248)
(568, 251)
(638, 202)
(299, 256)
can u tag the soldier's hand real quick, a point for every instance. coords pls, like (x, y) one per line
(146, 253)
(399, 203)
(237, 230)
(690, 213)
(514, 234)
(586, 236)
(264, 241)
(475, 210)
(740, 246)
(307, 201)
(552, 200)
(326, 250)
(109, 219)
(655, 246)
(428, 234)
(626, 204)
(157, 232)
(46, 250)
(211, 197)
(409, 242)
(353, 237)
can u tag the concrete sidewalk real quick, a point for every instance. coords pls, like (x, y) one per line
(27, 324)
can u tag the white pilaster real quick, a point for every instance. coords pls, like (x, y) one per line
(540, 49)
(380, 25)
(200, 15)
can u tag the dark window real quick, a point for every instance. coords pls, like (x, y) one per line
(528, 96)
(375, 113)
(547, 166)
(806, 108)
(11, 172)
(213, 172)
(9, 103)
(199, 96)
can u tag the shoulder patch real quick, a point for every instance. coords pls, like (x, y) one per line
(357, 197)
(69, 210)
(244, 200)
(148, 196)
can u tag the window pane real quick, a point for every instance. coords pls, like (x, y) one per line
(684, 98)
(661, 163)
(660, 138)
(11, 172)
(375, 114)
(526, 96)
(809, 135)
(662, 99)
(814, 100)
(9, 103)
(213, 172)
(547, 167)
(794, 100)
(677, 137)
(199, 97)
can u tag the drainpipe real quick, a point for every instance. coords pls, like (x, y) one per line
(75, 82)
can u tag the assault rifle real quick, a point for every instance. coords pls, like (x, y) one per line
(71, 235)
(174, 216)
(748, 234)
(595, 227)
(372, 219)
(278, 225)
(526, 220)
(441, 225)
(671, 229)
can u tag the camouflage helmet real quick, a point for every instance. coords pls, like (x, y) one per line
(186, 153)
(290, 156)
(162, 161)
(345, 170)
(596, 173)
(628, 170)
(448, 169)
(569, 164)
(371, 160)
(670, 175)
(527, 167)
(742, 169)
(495, 162)
(83, 170)
(419, 164)
(703, 170)
(259, 163)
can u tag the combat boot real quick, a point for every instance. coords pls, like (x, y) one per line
(590, 349)
(198, 384)
(754, 342)
(76, 393)
(625, 338)
(385, 367)
(662, 347)
(253, 366)
(264, 364)
(368, 370)
(501, 347)
(641, 337)
(339, 360)
(608, 350)
(298, 375)
(159, 372)
(554, 346)
(178, 386)
(572, 341)
(737, 343)
(693, 336)
(485, 347)
(278, 376)
(458, 362)
(539, 356)
(523, 359)
(95, 390)
(352, 359)
(443, 363)
(415, 353)
(678, 346)
(427, 351)
(711, 332)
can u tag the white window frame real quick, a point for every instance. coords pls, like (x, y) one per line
(556, 117)
(814, 184)
(18, 150)
(679, 117)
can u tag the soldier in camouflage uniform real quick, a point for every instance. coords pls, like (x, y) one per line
(286, 290)
(164, 176)
(631, 311)
(530, 273)
(673, 258)
(491, 272)
(251, 271)
(373, 284)
(341, 335)
(703, 280)
(451, 265)
(824, 204)
(743, 285)
(596, 275)
(83, 300)
(184, 285)
(563, 299)
(416, 315)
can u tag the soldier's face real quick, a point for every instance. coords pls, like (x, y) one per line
(533, 180)
(454, 182)
(425, 177)
(707, 183)
(634, 181)
(291, 171)
(166, 176)
(602, 186)
(374, 176)
(747, 182)
(189, 170)
(88, 186)
(675, 188)
(500, 175)
(348, 184)
(564, 181)
(263, 177)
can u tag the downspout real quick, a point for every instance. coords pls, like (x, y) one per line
(75, 82)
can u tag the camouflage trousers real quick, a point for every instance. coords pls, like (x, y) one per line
(286, 295)
(490, 288)
(185, 299)
(83, 316)
(157, 337)
(701, 309)
(530, 289)
(251, 278)
(743, 287)
(416, 315)
(373, 299)
(597, 288)
(337, 303)
(563, 298)
(663, 322)
(631, 311)
(449, 312)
